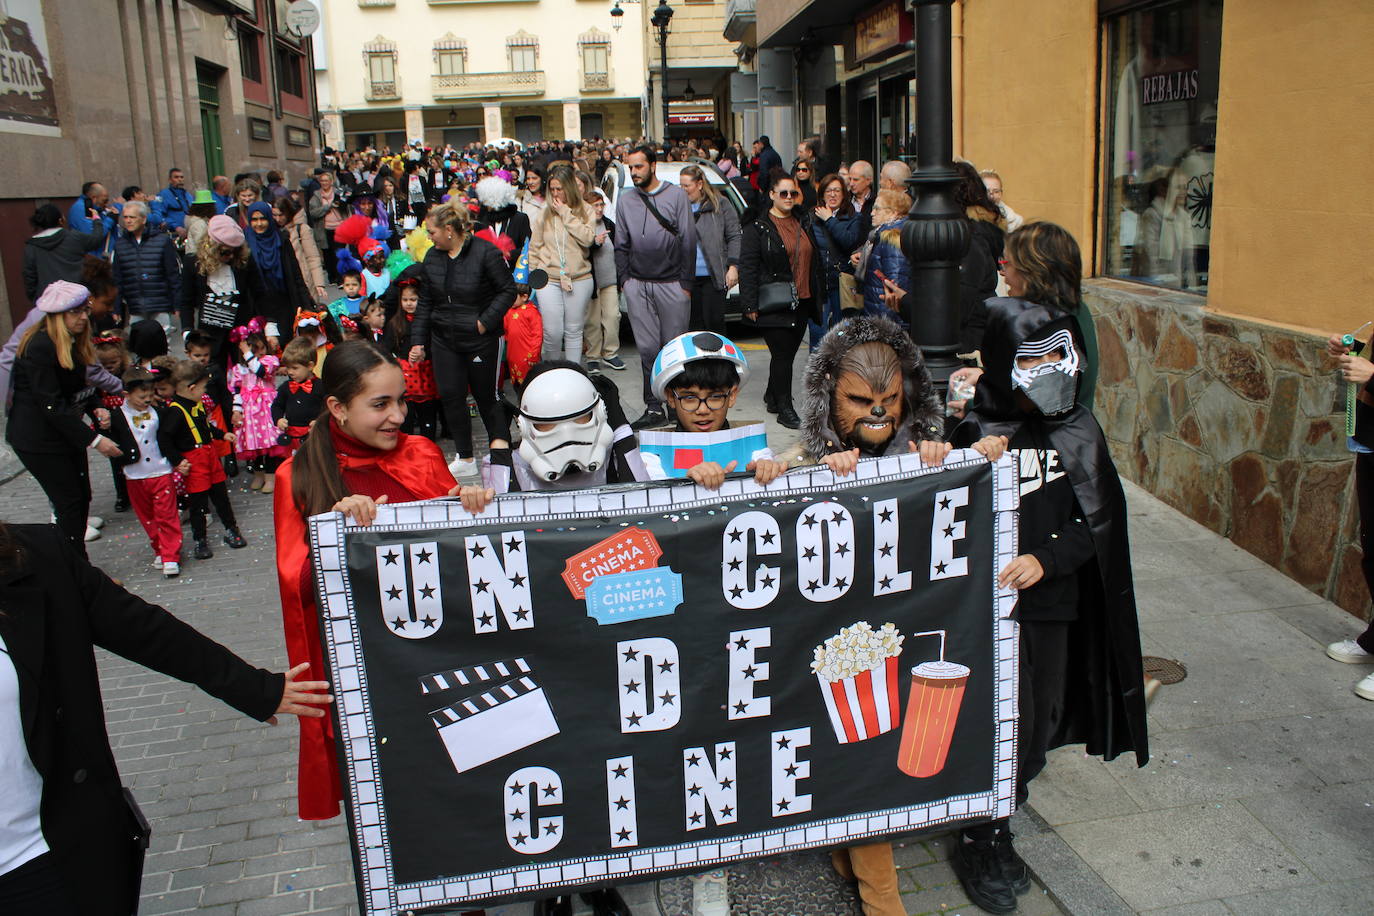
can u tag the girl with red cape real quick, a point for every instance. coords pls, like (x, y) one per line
(354, 459)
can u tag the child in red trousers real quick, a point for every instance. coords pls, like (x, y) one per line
(134, 427)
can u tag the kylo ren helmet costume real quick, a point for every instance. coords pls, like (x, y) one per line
(563, 425)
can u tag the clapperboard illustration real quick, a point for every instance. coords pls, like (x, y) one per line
(218, 310)
(508, 711)
(409, 590)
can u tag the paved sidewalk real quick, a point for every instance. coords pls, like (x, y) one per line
(1256, 801)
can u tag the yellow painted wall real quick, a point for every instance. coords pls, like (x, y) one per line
(1030, 87)
(1291, 238)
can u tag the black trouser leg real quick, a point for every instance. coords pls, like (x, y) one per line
(421, 419)
(200, 507)
(1364, 495)
(66, 482)
(782, 349)
(455, 373)
(36, 888)
(219, 497)
(120, 484)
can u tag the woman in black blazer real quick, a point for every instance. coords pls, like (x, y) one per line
(221, 288)
(72, 847)
(778, 247)
(46, 426)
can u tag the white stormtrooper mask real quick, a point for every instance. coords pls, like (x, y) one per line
(563, 425)
(1052, 386)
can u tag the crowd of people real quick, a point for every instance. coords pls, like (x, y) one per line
(466, 270)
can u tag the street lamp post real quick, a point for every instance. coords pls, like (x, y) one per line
(936, 234)
(663, 14)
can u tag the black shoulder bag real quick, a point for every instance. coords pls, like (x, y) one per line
(662, 220)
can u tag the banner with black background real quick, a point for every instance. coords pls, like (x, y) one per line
(580, 689)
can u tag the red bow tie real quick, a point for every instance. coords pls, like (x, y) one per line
(305, 386)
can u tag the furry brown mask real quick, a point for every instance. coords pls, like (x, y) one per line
(868, 404)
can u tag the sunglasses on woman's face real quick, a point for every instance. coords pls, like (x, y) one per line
(789, 194)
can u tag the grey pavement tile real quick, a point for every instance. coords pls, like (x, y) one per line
(1210, 594)
(1205, 908)
(912, 853)
(1329, 827)
(1341, 898)
(1218, 691)
(1211, 764)
(1337, 746)
(1070, 883)
(1243, 635)
(1077, 787)
(275, 906)
(1324, 623)
(175, 902)
(1186, 855)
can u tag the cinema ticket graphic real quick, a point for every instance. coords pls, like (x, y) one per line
(620, 579)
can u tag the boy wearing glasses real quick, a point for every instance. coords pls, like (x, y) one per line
(699, 376)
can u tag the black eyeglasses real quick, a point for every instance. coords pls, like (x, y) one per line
(789, 193)
(712, 401)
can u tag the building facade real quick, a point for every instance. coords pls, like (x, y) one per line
(460, 71)
(121, 91)
(1204, 154)
(700, 61)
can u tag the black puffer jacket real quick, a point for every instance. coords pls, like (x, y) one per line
(148, 273)
(458, 292)
(57, 256)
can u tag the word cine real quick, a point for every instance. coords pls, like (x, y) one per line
(710, 789)
(824, 550)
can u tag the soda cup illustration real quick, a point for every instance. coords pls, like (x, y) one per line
(932, 709)
(857, 672)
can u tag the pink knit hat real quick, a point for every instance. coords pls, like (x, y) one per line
(62, 296)
(225, 231)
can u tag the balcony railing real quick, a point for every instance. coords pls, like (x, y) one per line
(498, 84)
(376, 2)
(597, 82)
(739, 16)
(375, 91)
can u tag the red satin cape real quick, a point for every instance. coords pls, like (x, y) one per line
(416, 464)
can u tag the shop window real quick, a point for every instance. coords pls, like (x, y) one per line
(1159, 142)
(250, 53)
(523, 50)
(289, 76)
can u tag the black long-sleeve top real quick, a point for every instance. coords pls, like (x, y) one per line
(1054, 529)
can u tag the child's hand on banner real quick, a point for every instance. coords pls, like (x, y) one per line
(766, 470)
(842, 463)
(932, 453)
(991, 447)
(475, 498)
(361, 509)
(710, 474)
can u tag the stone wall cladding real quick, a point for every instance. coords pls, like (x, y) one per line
(1238, 424)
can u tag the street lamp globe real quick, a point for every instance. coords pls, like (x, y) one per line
(689, 94)
(617, 15)
(663, 14)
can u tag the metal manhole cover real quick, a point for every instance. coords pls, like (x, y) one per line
(1164, 670)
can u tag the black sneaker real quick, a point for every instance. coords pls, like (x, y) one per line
(121, 505)
(787, 416)
(979, 869)
(203, 551)
(615, 362)
(650, 417)
(606, 902)
(234, 539)
(1013, 866)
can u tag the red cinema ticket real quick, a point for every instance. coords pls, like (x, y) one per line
(627, 551)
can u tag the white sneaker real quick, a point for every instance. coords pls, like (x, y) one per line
(1349, 651)
(171, 569)
(157, 562)
(92, 534)
(1365, 687)
(463, 467)
(95, 521)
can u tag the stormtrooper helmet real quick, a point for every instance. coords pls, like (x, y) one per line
(563, 424)
(1051, 386)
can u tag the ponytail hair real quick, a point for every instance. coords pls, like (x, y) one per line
(316, 482)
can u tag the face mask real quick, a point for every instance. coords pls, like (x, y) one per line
(1051, 387)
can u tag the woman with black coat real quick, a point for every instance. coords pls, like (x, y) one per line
(465, 291)
(54, 252)
(73, 836)
(978, 271)
(778, 248)
(46, 428)
(283, 283)
(220, 287)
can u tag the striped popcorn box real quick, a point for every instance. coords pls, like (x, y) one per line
(865, 704)
(506, 716)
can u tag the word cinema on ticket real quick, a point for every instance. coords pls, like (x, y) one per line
(571, 690)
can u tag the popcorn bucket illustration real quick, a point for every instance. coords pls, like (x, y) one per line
(859, 681)
(932, 709)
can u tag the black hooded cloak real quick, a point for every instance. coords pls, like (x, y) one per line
(1104, 696)
(922, 417)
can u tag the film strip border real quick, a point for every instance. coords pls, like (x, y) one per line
(472, 675)
(629, 865)
(680, 495)
(379, 893)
